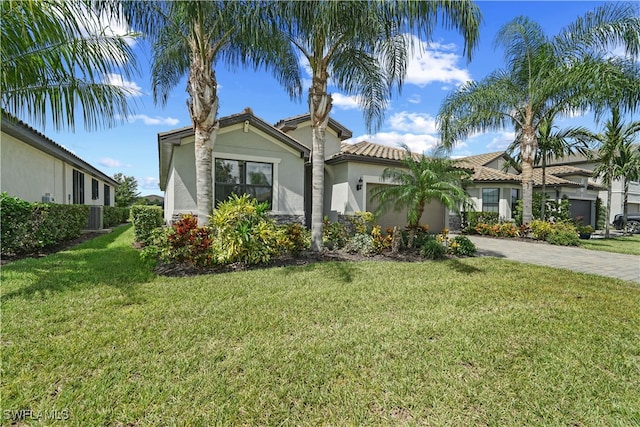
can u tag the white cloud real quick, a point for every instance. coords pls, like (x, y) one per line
(149, 183)
(413, 122)
(153, 121)
(501, 141)
(435, 62)
(415, 99)
(417, 143)
(118, 80)
(344, 102)
(110, 163)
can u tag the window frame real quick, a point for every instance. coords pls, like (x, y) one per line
(95, 189)
(78, 187)
(492, 205)
(242, 187)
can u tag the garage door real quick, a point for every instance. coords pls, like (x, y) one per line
(433, 214)
(580, 208)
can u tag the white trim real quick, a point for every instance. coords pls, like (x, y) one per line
(275, 185)
(240, 127)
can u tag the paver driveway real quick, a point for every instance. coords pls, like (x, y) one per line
(625, 267)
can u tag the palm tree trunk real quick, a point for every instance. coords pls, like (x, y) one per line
(319, 108)
(607, 220)
(203, 108)
(625, 205)
(528, 147)
(544, 186)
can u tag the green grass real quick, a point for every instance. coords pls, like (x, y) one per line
(623, 245)
(461, 342)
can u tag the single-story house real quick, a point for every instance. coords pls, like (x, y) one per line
(36, 169)
(272, 163)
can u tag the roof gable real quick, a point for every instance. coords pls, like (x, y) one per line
(292, 123)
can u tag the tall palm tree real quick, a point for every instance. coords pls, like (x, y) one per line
(422, 180)
(554, 143)
(55, 57)
(363, 47)
(628, 169)
(547, 77)
(616, 157)
(190, 38)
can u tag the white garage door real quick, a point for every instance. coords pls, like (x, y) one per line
(433, 214)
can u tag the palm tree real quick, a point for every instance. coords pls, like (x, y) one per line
(546, 77)
(363, 47)
(554, 143)
(422, 180)
(190, 38)
(617, 158)
(628, 169)
(55, 57)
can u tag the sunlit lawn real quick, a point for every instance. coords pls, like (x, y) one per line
(91, 334)
(621, 244)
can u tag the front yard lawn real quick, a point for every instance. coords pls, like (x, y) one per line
(623, 244)
(92, 336)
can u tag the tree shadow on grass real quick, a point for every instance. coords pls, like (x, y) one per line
(101, 261)
(462, 267)
(341, 270)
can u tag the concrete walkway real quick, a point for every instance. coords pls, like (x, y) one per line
(625, 267)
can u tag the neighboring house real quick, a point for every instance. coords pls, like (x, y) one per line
(36, 169)
(617, 186)
(497, 190)
(152, 199)
(273, 164)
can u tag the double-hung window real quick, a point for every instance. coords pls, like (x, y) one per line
(490, 199)
(243, 177)
(78, 187)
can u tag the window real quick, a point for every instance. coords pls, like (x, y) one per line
(243, 177)
(490, 199)
(78, 187)
(107, 195)
(515, 196)
(94, 189)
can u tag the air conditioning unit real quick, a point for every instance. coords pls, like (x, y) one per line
(95, 218)
(47, 198)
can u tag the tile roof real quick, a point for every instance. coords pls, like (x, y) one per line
(483, 173)
(482, 159)
(378, 151)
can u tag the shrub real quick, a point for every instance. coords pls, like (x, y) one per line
(540, 229)
(415, 237)
(26, 227)
(145, 219)
(294, 238)
(244, 232)
(381, 242)
(362, 222)
(360, 243)
(113, 215)
(334, 234)
(471, 219)
(432, 249)
(462, 246)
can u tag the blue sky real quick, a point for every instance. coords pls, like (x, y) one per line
(435, 70)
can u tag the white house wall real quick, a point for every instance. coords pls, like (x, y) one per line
(31, 174)
(181, 185)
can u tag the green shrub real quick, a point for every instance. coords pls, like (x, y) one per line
(540, 229)
(334, 234)
(362, 222)
(145, 219)
(243, 232)
(471, 219)
(113, 215)
(432, 249)
(27, 227)
(360, 243)
(294, 238)
(462, 246)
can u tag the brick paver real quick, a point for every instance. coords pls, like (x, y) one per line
(625, 267)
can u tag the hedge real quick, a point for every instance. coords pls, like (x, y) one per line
(113, 215)
(145, 219)
(27, 227)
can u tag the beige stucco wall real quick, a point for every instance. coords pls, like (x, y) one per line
(30, 174)
(302, 133)
(233, 143)
(288, 167)
(504, 205)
